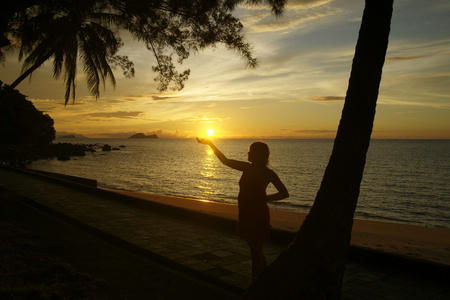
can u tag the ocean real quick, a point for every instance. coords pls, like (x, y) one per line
(405, 181)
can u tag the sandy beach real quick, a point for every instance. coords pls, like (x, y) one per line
(419, 243)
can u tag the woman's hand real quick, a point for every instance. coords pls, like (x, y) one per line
(204, 141)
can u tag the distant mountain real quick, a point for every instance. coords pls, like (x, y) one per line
(143, 136)
(69, 135)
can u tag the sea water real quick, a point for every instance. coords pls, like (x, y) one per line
(405, 181)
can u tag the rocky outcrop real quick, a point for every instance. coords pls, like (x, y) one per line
(63, 151)
(106, 147)
(60, 151)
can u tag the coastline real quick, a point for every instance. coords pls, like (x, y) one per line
(414, 242)
(145, 165)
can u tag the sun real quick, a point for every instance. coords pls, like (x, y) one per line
(210, 132)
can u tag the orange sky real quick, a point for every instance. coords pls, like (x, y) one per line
(296, 92)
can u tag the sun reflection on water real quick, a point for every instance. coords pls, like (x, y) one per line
(204, 200)
(209, 184)
(209, 168)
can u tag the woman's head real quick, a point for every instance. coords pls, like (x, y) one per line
(259, 153)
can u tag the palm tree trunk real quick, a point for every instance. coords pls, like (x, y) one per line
(312, 266)
(24, 75)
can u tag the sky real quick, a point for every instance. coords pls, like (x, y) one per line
(297, 91)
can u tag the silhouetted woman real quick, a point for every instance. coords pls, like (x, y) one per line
(254, 219)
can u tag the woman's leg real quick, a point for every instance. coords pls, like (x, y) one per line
(258, 258)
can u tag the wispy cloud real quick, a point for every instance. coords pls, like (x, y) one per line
(404, 112)
(204, 119)
(296, 4)
(260, 19)
(118, 114)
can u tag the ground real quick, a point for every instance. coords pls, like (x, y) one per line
(44, 258)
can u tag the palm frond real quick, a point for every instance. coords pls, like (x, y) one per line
(70, 69)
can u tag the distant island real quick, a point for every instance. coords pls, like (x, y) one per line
(143, 136)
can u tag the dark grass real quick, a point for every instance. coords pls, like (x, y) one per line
(42, 257)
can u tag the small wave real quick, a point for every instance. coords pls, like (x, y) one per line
(385, 218)
(113, 187)
(289, 206)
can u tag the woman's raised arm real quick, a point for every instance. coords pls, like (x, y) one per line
(235, 164)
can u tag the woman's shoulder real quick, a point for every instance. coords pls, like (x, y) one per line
(265, 170)
(271, 173)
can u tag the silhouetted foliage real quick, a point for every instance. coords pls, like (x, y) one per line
(26, 133)
(89, 31)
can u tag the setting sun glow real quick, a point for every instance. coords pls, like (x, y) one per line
(210, 132)
(297, 92)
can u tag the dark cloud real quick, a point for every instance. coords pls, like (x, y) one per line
(328, 98)
(71, 103)
(317, 98)
(117, 114)
(153, 97)
(126, 134)
(121, 100)
(403, 58)
(399, 58)
(315, 131)
(162, 98)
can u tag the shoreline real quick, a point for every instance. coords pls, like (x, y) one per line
(418, 243)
